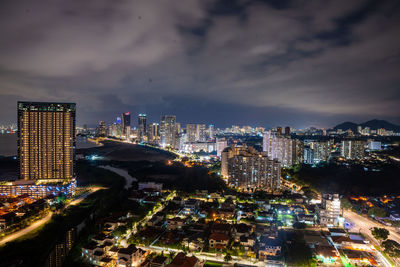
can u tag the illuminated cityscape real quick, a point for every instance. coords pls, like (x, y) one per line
(218, 133)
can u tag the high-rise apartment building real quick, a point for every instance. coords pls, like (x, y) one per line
(201, 133)
(126, 121)
(286, 150)
(221, 144)
(142, 127)
(353, 149)
(46, 140)
(308, 155)
(248, 170)
(321, 149)
(46, 151)
(169, 131)
(374, 145)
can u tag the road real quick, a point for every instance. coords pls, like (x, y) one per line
(44, 220)
(363, 225)
(26, 230)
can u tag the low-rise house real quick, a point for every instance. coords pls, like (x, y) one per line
(159, 261)
(93, 252)
(221, 228)
(226, 214)
(154, 221)
(265, 216)
(325, 254)
(181, 260)
(243, 229)
(337, 232)
(130, 256)
(269, 247)
(306, 218)
(191, 206)
(175, 223)
(218, 241)
(246, 241)
(106, 262)
(178, 200)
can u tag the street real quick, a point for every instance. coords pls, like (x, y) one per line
(363, 225)
(44, 220)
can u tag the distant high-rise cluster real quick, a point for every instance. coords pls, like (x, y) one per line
(248, 169)
(286, 150)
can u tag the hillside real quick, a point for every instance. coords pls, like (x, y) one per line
(373, 124)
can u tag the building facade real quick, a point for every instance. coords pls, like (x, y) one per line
(286, 150)
(142, 127)
(169, 132)
(126, 122)
(329, 210)
(353, 149)
(248, 169)
(46, 141)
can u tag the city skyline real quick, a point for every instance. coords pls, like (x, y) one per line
(223, 62)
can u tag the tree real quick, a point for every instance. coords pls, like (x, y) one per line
(228, 257)
(380, 233)
(120, 230)
(299, 225)
(392, 248)
(376, 212)
(345, 203)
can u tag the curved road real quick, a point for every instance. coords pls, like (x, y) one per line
(44, 220)
(26, 230)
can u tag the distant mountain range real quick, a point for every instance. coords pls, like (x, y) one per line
(373, 124)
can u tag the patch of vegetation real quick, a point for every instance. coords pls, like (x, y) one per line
(346, 180)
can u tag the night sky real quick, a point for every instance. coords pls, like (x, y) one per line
(268, 63)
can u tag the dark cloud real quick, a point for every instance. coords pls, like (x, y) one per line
(223, 62)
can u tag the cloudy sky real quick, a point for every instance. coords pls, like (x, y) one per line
(298, 63)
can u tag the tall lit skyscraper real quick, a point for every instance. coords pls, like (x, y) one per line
(191, 132)
(169, 131)
(46, 151)
(153, 133)
(46, 140)
(142, 127)
(211, 131)
(126, 121)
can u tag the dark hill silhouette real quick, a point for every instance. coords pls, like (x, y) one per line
(373, 124)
